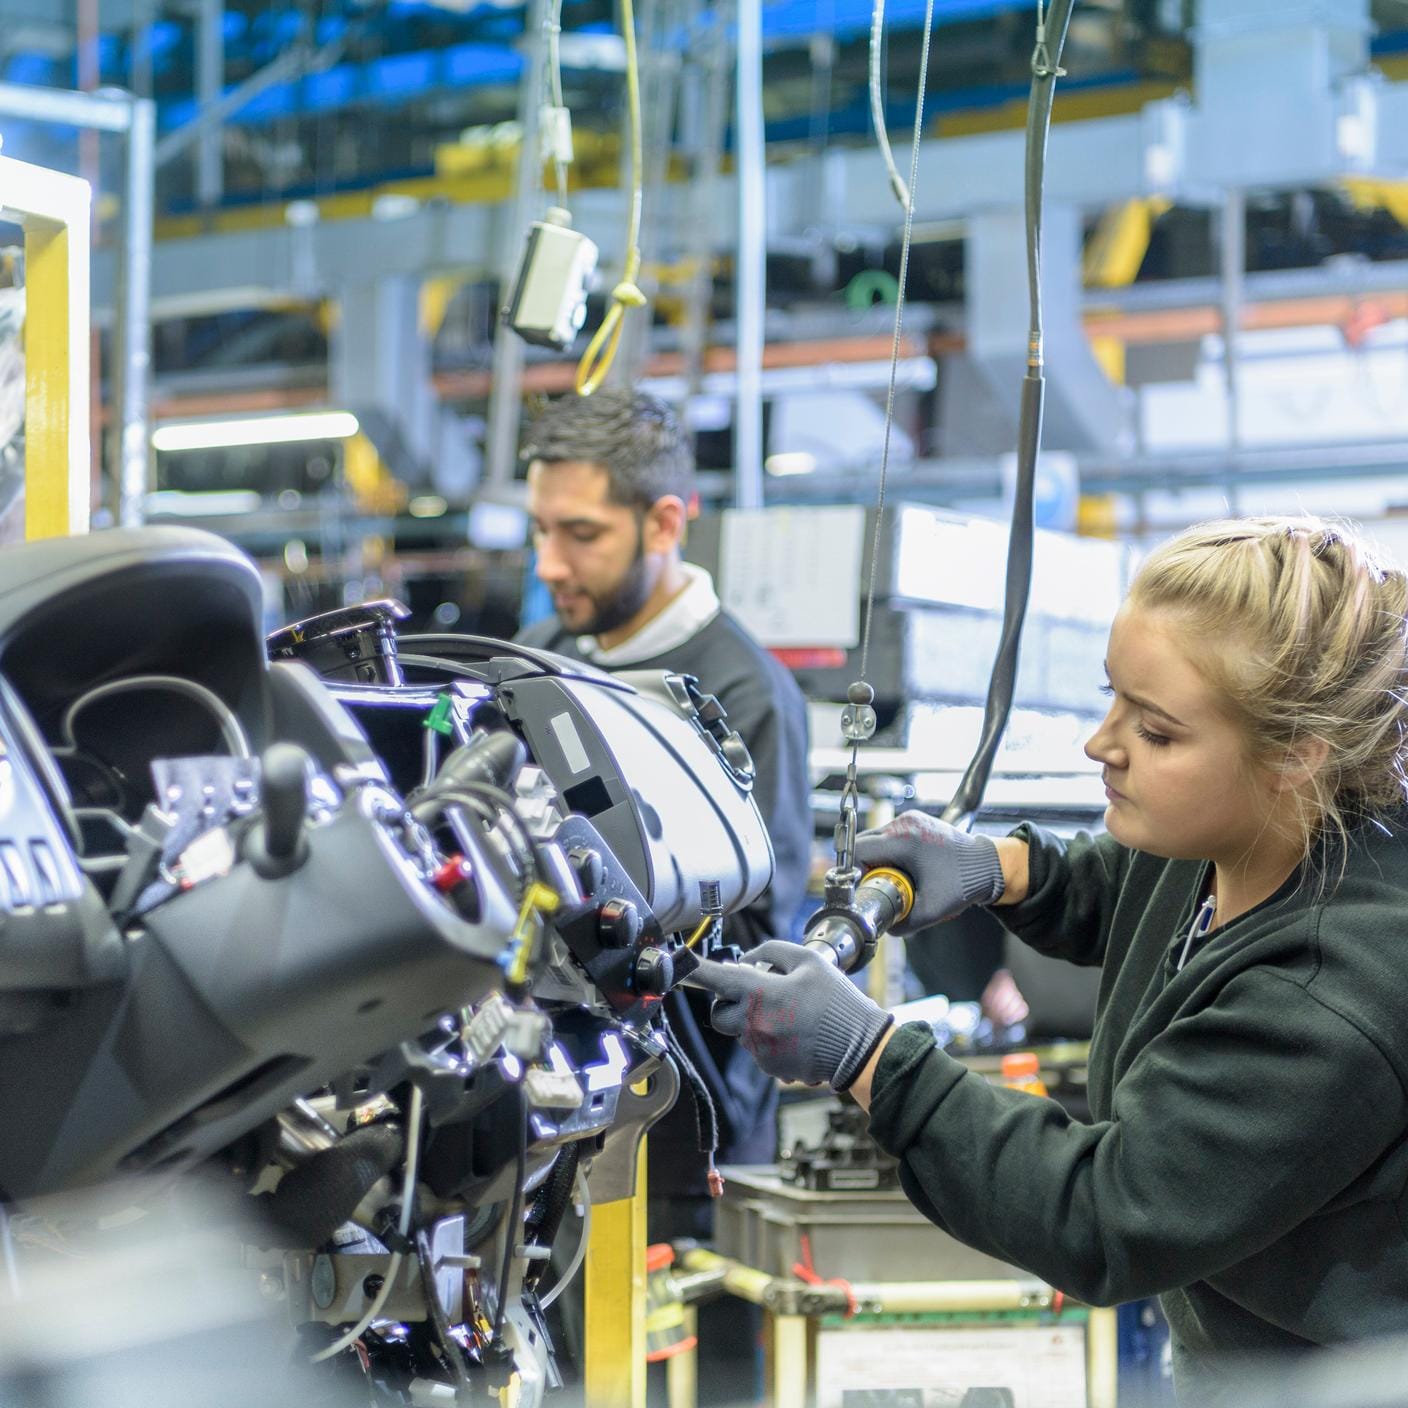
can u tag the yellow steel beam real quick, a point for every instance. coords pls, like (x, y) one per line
(1112, 259)
(436, 295)
(1097, 516)
(1110, 354)
(373, 486)
(54, 211)
(1369, 194)
(1078, 105)
(615, 1301)
(682, 1369)
(1102, 1344)
(1116, 249)
(789, 1361)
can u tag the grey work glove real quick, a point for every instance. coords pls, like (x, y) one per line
(799, 1016)
(951, 869)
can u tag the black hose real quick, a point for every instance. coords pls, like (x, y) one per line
(683, 1028)
(453, 1354)
(313, 1200)
(706, 1119)
(515, 1215)
(968, 797)
(552, 1202)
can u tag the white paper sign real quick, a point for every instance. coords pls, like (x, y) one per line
(792, 575)
(1040, 1367)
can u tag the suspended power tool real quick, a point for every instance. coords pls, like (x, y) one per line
(857, 909)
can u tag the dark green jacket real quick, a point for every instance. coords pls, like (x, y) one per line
(1247, 1158)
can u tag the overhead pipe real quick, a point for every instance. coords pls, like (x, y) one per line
(750, 258)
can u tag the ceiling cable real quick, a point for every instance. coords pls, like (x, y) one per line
(858, 718)
(601, 350)
(877, 102)
(905, 244)
(1052, 24)
(552, 27)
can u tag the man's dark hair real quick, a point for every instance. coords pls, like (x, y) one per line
(633, 436)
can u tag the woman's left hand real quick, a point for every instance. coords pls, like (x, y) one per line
(799, 1016)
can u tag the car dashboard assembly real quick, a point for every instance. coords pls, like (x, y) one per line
(364, 934)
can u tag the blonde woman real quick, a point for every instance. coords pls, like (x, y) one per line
(1247, 1156)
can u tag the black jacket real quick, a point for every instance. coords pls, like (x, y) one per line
(1247, 1158)
(764, 704)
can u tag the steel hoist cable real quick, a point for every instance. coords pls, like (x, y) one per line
(858, 719)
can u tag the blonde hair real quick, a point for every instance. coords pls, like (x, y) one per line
(1311, 624)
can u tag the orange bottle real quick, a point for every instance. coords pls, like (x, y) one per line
(1022, 1071)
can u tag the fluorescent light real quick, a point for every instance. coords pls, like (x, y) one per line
(492, 525)
(394, 205)
(791, 462)
(214, 503)
(254, 430)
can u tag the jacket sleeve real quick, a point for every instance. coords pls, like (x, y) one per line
(772, 721)
(1233, 1127)
(1073, 892)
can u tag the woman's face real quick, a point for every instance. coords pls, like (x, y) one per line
(1179, 780)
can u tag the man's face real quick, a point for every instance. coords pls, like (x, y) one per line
(599, 558)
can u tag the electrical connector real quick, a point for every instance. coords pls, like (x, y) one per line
(549, 301)
(555, 134)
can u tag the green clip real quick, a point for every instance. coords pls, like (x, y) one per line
(439, 717)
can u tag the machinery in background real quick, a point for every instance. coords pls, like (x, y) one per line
(845, 1159)
(366, 944)
(937, 619)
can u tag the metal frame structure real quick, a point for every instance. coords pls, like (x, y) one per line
(1299, 81)
(792, 1307)
(615, 1341)
(55, 211)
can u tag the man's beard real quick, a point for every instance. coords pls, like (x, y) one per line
(631, 593)
(611, 612)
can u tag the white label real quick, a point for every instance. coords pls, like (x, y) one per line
(570, 741)
(212, 853)
(1041, 1367)
(792, 575)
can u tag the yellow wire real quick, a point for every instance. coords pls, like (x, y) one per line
(537, 900)
(704, 926)
(601, 350)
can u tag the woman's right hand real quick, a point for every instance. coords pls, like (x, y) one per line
(951, 869)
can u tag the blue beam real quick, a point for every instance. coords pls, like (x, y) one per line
(401, 78)
(387, 82)
(853, 120)
(421, 63)
(798, 19)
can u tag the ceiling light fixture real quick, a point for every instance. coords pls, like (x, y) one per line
(254, 430)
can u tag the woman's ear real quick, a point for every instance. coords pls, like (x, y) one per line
(1303, 761)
